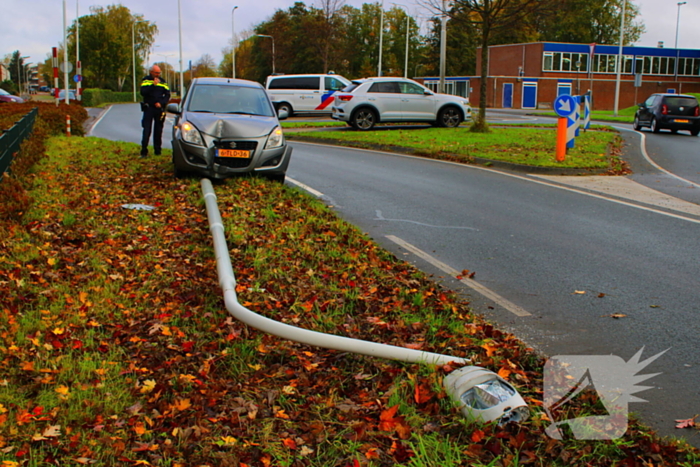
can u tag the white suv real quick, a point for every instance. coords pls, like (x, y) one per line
(369, 101)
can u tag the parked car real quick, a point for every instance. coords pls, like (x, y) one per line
(7, 97)
(44, 89)
(304, 93)
(226, 127)
(62, 94)
(669, 111)
(369, 101)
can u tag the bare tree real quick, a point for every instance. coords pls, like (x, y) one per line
(327, 28)
(487, 17)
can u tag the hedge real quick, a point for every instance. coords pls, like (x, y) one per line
(93, 97)
(51, 120)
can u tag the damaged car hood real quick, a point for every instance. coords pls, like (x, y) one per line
(232, 125)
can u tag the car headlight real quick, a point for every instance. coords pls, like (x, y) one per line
(190, 133)
(276, 138)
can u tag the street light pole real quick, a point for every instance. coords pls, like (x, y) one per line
(381, 40)
(443, 47)
(77, 51)
(273, 50)
(133, 55)
(619, 58)
(65, 53)
(678, 21)
(179, 24)
(233, 44)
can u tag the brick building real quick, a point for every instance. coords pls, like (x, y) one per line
(532, 75)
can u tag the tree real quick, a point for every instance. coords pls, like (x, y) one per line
(204, 67)
(592, 21)
(106, 46)
(489, 17)
(18, 70)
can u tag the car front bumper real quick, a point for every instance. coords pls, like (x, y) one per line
(190, 158)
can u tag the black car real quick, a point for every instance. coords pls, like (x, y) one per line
(669, 111)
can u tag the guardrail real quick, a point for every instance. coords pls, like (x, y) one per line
(11, 139)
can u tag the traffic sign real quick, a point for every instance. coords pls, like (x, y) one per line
(77, 78)
(66, 67)
(564, 105)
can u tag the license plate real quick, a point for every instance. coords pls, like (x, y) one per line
(237, 153)
(680, 120)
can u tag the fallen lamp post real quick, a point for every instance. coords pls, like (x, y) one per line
(482, 395)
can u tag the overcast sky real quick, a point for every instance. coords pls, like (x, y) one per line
(34, 26)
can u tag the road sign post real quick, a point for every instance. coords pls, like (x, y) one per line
(565, 107)
(577, 116)
(587, 111)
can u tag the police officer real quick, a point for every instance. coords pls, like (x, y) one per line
(156, 94)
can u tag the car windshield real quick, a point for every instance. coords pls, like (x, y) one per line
(4, 93)
(229, 99)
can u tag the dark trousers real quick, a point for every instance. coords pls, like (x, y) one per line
(152, 118)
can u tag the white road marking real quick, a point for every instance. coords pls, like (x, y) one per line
(477, 287)
(380, 217)
(99, 120)
(649, 160)
(316, 193)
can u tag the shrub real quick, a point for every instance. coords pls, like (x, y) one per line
(93, 97)
(51, 120)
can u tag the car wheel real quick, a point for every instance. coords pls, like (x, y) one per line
(654, 126)
(286, 107)
(636, 124)
(364, 119)
(695, 132)
(449, 117)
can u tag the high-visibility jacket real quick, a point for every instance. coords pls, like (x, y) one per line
(153, 92)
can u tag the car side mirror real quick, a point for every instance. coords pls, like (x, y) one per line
(173, 109)
(282, 115)
(427, 93)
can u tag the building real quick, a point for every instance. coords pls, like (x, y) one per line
(532, 75)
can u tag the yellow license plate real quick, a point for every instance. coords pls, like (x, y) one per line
(680, 120)
(238, 153)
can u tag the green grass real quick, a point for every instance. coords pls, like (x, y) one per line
(113, 328)
(527, 146)
(623, 115)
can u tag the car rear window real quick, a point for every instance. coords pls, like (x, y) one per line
(680, 101)
(351, 87)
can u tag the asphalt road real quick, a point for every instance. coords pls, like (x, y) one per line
(557, 264)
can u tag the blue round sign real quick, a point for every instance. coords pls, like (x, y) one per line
(564, 105)
(77, 78)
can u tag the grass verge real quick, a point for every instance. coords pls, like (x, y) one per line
(527, 146)
(116, 349)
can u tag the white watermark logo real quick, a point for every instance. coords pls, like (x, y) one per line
(601, 386)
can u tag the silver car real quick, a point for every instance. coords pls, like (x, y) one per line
(369, 101)
(226, 127)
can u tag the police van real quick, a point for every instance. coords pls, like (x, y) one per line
(304, 93)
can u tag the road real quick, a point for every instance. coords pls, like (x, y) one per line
(556, 261)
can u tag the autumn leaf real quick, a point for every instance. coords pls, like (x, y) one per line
(477, 436)
(52, 431)
(182, 404)
(504, 373)
(688, 423)
(147, 386)
(290, 443)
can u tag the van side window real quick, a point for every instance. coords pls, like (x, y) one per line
(334, 84)
(311, 83)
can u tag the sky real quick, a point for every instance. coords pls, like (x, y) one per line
(35, 26)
